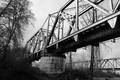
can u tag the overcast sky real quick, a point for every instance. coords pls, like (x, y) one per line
(41, 9)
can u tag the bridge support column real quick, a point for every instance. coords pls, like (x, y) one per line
(95, 58)
(70, 60)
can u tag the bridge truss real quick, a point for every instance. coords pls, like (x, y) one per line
(111, 64)
(77, 24)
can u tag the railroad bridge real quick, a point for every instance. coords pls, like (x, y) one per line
(77, 24)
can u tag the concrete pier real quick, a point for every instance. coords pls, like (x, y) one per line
(52, 65)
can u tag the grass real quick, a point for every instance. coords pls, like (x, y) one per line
(84, 74)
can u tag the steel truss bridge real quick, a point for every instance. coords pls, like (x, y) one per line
(111, 64)
(77, 24)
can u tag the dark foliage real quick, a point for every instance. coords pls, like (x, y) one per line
(15, 68)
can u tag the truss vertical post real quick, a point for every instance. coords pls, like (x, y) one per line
(59, 28)
(77, 19)
(48, 25)
(111, 4)
(35, 44)
(77, 14)
(39, 43)
(62, 29)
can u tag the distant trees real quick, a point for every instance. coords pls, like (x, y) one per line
(14, 17)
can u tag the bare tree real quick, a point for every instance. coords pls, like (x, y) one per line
(13, 19)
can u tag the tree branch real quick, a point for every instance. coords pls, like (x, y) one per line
(2, 12)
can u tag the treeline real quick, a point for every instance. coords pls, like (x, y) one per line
(15, 16)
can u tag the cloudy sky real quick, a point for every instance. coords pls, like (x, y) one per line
(41, 9)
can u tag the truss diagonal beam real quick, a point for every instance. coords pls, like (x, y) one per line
(98, 7)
